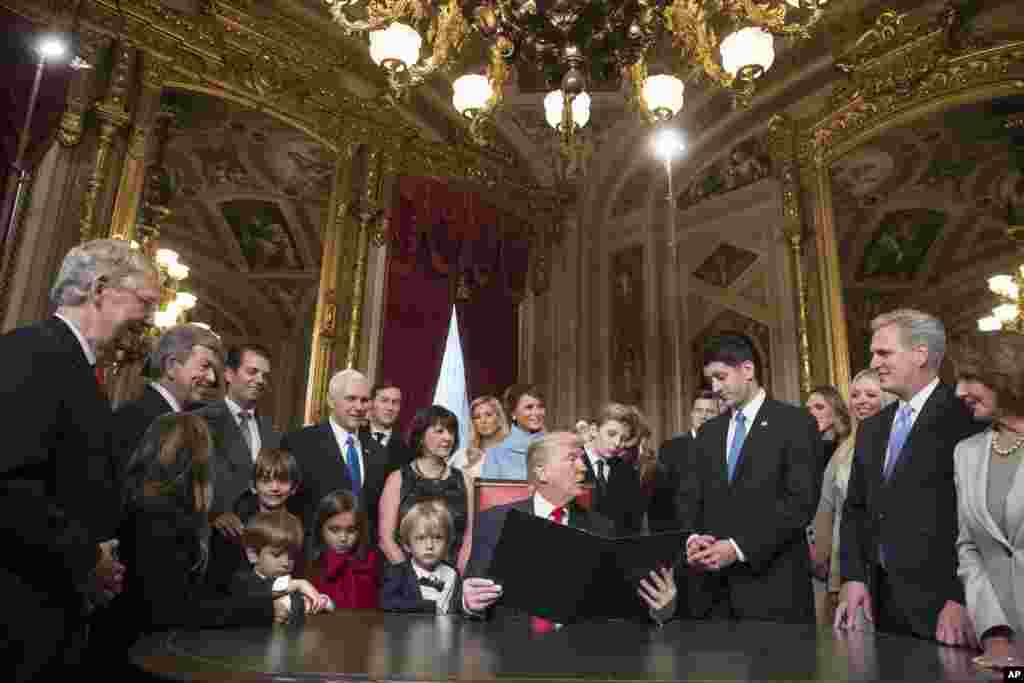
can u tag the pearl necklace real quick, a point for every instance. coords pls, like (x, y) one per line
(1004, 453)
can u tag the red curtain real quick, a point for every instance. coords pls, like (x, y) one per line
(446, 243)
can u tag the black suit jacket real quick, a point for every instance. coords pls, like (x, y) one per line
(673, 460)
(620, 499)
(132, 420)
(324, 470)
(232, 458)
(160, 547)
(765, 510)
(914, 514)
(58, 494)
(400, 591)
(398, 453)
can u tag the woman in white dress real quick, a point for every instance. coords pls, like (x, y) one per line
(488, 427)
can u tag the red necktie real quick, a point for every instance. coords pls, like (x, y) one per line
(556, 515)
(540, 624)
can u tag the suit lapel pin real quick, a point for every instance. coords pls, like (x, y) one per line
(764, 423)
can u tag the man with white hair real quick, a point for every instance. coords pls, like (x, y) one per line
(899, 527)
(339, 454)
(59, 505)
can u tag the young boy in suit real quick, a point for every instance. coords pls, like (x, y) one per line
(272, 540)
(424, 582)
(275, 478)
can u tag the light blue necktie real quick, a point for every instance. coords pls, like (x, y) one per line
(738, 437)
(352, 460)
(897, 437)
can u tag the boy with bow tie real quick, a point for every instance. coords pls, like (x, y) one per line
(424, 582)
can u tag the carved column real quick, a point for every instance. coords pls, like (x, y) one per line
(325, 324)
(370, 214)
(831, 281)
(782, 144)
(133, 172)
(112, 115)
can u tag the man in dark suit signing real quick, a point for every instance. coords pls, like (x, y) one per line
(556, 472)
(899, 528)
(674, 461)
(385, 409)
(339, 454)
(185, 361)
(750, 494)
(239, 432)
(59, 505)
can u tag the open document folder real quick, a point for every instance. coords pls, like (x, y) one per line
(565, 574)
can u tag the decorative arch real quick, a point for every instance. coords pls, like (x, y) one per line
(898, 72)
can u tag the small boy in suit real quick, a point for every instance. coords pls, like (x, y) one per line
(275, 478)
(424, 582)
(272, 540)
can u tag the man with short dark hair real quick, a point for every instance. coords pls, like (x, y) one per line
(385, 408)
(184, 363)
(753, 491)
(899, 528)
(59, 503)
(238, 431)
(674, 464)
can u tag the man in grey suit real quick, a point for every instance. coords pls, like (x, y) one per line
(239, 432)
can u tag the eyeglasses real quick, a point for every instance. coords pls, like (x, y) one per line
(150, 304)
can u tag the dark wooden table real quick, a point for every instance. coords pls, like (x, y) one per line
(369, 645)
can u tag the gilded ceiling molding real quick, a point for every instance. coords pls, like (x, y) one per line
(270, 62)
(897, 71)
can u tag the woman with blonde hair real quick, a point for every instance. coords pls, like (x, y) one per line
(866, 399)
(990, 490)
(488, 427)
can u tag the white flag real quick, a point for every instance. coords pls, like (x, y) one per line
(451, 389)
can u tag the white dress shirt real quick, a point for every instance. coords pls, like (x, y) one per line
(443, 574)
(341, 435)
(90, 355)
(543, 508)
(254, 428)
(374, 431)
(918, 400)
(168, 396)
(594, 459)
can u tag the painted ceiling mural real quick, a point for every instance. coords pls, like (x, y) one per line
(249, 198)
(922, 213)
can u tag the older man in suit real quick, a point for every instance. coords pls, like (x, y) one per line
(59, 505)
(339, 454)
(755, 479)
(899, 526)
(239, 432)
(674, 464)
(186, 360)
(556, 473)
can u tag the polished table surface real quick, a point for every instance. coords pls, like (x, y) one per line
(369, 645)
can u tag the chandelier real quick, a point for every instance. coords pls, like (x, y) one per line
(1009, 288)
(174, 304)
(1007, 314)
(576, 42)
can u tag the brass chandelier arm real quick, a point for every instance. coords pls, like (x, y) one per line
(450, 30)
(380, 15)
(688, 22)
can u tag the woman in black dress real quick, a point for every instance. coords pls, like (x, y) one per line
(434, 436)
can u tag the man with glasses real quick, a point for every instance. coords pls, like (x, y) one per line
(673, 462)
(59, 504)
